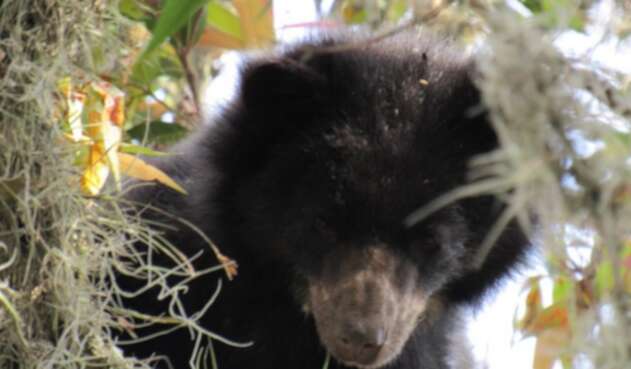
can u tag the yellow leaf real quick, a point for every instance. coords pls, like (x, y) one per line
(533, 304)
(95, 173)
(353, 13)
(64, 85)
(118, 110)
(137, 168)
(155, 109)
(256, 27)
(554, 316)
(213, 37)
(80, 140)
(625, 257)
(550, 346)
(257, 22)
(74, 102)
(105, 114)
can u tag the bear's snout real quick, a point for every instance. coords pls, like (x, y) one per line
(359, 343)
(366, 309)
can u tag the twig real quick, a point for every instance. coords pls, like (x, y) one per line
(190, 77)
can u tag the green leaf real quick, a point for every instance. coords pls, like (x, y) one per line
(190, 33)
(396, 9)
(604, 278)
(132, 9)
(158, 132)
(623, 137)
(162, 62)
(224, 20)
(562, 289)
(562, 13)
(354, 13)
(577, 22)
(141, 150)
(534, 6)
(146, 69)
(174, 15)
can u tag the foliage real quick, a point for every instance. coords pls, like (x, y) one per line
(558, 106)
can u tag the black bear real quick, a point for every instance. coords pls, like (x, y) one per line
(306, 180)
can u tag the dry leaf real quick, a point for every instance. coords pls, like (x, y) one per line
(137, 168)
(533, 304)
(555, 316)
(550, 346)
(105, 111)
(257, 22)
(213, 37)
(95, 172)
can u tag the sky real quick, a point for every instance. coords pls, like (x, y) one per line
(490, 329)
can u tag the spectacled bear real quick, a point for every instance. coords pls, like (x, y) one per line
(306, 180)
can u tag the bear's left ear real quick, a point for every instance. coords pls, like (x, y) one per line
(281, 85)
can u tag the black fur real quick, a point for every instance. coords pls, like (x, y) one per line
(325, 151)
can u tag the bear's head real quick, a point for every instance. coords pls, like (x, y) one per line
(341, 143)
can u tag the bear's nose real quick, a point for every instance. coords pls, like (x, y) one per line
(363, 344)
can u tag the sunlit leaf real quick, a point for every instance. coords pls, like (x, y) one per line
(190, 33)
(626, 250)
(213, 37)
(563, 13)
(162, 61)
(562, 289)
(136, 168)
(96, 171)
(533, 304)
(223, 20)
(604, 278)
(534, 6)
(550, 347)
(104, 110)
(353, 13)
(396, 9)
(138, 34)
(253, 26)
(554, 316)
(626, 266)
(132, 9)
(257, 22)
(154, 108)
(74, 103)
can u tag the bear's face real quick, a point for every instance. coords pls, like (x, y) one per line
(368, 295)
(337, 159)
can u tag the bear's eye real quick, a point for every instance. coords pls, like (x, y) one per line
(423, 246)
(319, 224)
(323, 229)
(426, 247)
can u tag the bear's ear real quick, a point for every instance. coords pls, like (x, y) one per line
(284, 83)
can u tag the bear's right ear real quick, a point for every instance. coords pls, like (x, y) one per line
(283, 84)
